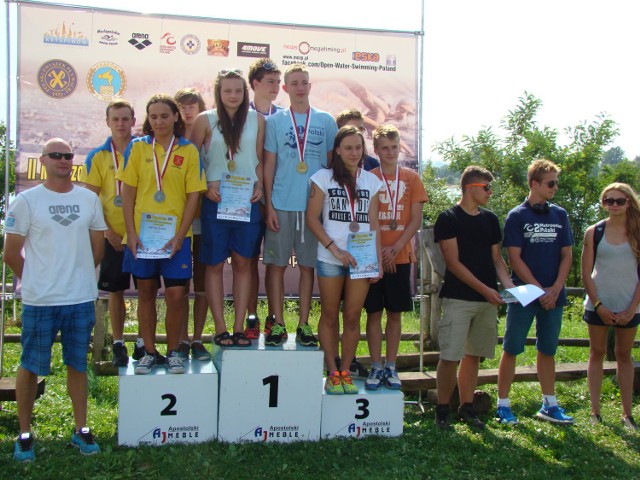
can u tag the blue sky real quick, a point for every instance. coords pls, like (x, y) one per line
(480, 55)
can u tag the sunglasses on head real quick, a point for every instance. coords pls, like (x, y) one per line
(486, 186)
(226, 71)
(609, 202)
(269, 66)
(58, 155)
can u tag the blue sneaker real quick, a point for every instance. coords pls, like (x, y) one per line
(505, 416)
(390, 379)
(84, 441)
(554, 414)
(374, 380)
(23, 450)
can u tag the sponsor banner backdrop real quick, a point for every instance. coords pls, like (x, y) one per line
(73, 61)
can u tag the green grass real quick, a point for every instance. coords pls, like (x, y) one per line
(534, 449)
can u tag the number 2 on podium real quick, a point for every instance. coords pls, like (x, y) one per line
(272, 381)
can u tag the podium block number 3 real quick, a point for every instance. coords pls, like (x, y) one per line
(272, 381)
(363, 403)
(168, 410)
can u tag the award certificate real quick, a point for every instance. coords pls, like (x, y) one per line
(235, 198)
(155, 231)
(362, 245)
(525, 294)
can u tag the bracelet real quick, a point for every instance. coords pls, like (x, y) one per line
(329, 244)
(596, 305)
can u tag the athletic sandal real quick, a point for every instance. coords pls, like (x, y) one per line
(221, 339)
(240, 340)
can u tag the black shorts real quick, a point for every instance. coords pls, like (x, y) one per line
(592, 318)
(392, 292)
(112, 278)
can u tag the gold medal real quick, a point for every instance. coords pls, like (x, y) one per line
(231, 165)
(302, 167)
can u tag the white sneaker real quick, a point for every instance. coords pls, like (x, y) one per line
(374, 380)
(174, 362)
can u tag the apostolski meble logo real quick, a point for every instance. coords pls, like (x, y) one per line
(258, 50)
(277, 431)
(57, 79)
(106, 80)
(66, 35)
(176, 434)
(140, 40)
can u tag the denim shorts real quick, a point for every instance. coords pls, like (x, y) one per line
(519, 321)
(325, 269)
(40, 325)
(221, 237)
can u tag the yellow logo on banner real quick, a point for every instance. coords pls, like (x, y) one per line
(106, 80)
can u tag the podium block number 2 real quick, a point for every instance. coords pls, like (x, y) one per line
(272, 381)
(168, 410)
(363, 403)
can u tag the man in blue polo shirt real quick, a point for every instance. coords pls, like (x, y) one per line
(538, 239)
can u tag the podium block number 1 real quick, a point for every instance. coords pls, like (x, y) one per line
(272, 381)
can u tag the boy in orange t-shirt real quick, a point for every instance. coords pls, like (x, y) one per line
(400, 216)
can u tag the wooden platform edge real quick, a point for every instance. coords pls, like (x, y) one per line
(8, 388)
(422, 381)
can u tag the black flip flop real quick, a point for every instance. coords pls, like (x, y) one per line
(223, 337)
(240, 340)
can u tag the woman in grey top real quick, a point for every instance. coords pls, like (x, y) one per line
(610, 256)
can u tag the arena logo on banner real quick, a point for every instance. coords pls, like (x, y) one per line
(57, 79)
(106, 80)
(168, 43)
(140, 40)
(255, 50)
(108, 37)
(190, 44)
(66, 35)
(217, 48)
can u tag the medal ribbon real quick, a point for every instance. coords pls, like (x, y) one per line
(114, 156)
(230, 158)
(301, 147)
(352, 203)
(392, 201)
(160, 174)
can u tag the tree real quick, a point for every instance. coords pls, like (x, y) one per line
(524, 141)
(612, 156)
